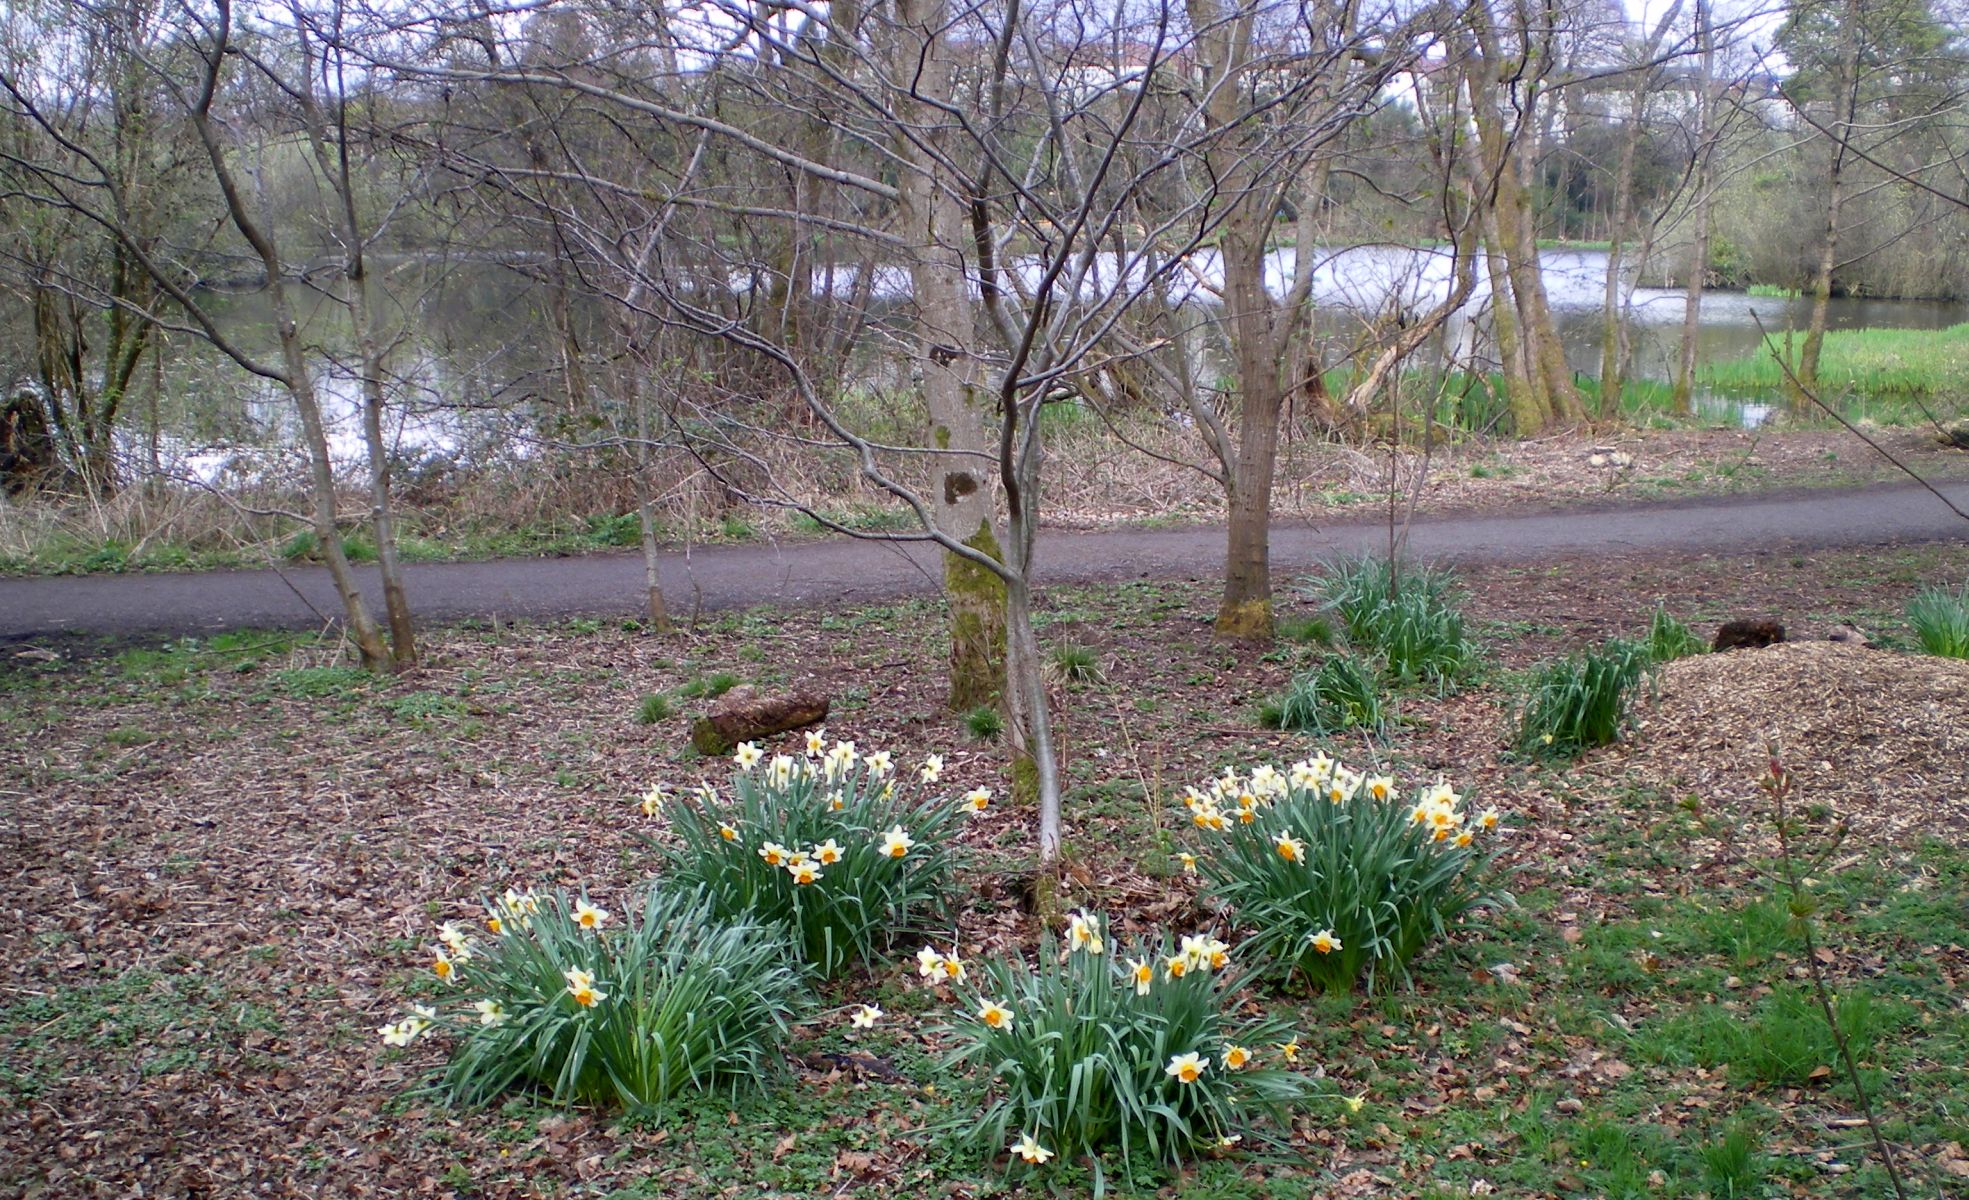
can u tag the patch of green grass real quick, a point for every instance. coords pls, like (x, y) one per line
(1861, 363)
(709, 687)
(1772, 291)
(1784, 1038)
(1669, 639)
(1311, 631)
(314, 682)
(1734, 1166)
(419, 707)
(1077, 664)
(1941, 621)
(653, 708)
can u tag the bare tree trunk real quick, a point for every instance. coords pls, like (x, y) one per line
(657, 612)
(1835, 199)
(1698, 268)
(932, 223)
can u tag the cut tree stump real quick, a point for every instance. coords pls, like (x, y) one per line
(743, 715)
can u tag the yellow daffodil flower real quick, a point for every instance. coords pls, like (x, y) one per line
(1235, 1057)
(932, 769)
(1084, 933)
(779, 772)
(455, 940)
(1030, 1150)
(1290, 848)
(581, 986)
(1289, 1050)
(588, 916)
(1142, 973)
(816, 742)
(827, 853)
(444, 968)
(1325, 942)
(896, 842)
(804, 872)
(879, 764)
(1489, 819)
(727, 831)
(1354, 1102)
(1381, 787)
(995, 1015)
(977, 800)
(1189, 862)
(774, 854)
(929, 963)
(1186, 1068)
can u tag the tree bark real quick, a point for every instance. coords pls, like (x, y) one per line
(1698, 268)
(933, 224)
(1835, 199)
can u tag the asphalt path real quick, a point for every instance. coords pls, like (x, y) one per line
(854, 571)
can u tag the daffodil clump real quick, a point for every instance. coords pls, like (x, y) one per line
(1102, 1047)
(559, 995)
(1338, 877)
(827, 843)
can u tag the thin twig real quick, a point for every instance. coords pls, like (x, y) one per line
(1779, 783)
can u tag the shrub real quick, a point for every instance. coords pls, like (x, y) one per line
(1086, 1049)
(824, 845)
(1343, 693)
(985, 723)
(1336, 879)
(1581, 701)
(677, 999)
(1669, 639)
(1412, 617)
(1941, 621)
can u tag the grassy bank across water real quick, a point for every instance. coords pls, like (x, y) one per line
(1873, 364)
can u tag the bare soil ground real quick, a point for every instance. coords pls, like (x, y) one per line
(221, 863)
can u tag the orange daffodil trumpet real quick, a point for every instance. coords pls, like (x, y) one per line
(1186, 1068)
(581, 986)
(588, 916)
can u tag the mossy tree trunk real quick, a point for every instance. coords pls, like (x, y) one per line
(932, 223)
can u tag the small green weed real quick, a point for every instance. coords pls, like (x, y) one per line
(709, 687)
(653, 708)
(985, 723)
(1077, 664)
(424, 706)
(311, 682)
(1312, 631)
(1734, 1166)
